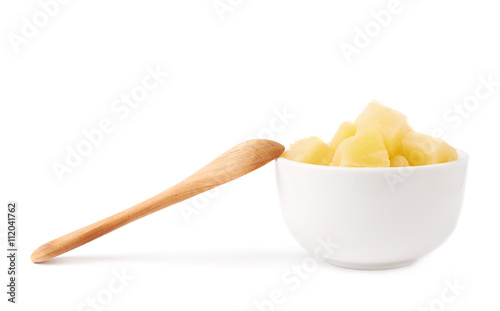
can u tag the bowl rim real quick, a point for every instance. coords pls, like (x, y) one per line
(463, 158)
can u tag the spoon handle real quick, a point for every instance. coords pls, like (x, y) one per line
(232, 164)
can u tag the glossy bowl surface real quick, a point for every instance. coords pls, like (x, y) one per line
(379, 218)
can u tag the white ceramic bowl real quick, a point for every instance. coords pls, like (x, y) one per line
(380, 218)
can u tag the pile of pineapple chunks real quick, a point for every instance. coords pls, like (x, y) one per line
(380, 137)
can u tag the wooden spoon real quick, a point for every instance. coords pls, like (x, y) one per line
(234, 163)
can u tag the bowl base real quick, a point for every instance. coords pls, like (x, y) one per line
(371, 266)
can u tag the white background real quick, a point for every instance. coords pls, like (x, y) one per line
(228, 77)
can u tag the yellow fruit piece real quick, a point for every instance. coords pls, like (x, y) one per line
(399, 161)
(346, 130)
(391, 124)
(421, 149)
(365, 149)
(310, 150)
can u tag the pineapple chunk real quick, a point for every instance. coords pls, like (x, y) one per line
(421, 149)
(310, 150)
(365, 149)
(399, 161)
(390, 123)
(346, 130)
(380, 137)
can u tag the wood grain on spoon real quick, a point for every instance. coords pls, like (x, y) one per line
(232, 164)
